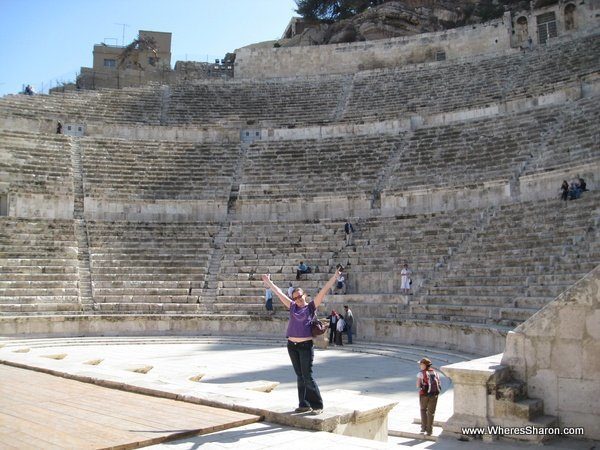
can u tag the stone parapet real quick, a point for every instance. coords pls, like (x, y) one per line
(556, 353)
(352, 57)
(479, 402)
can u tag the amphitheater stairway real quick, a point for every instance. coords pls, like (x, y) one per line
(211, 283)
(78, 194)
(84, 270)
(81, 234)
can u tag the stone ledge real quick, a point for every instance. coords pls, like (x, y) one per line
(463, 337)
(368, 421)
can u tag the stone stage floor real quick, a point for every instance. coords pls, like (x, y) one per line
(258, 368)
(226, 363)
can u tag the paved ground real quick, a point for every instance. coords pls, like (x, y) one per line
(263, 436)
(230, 364)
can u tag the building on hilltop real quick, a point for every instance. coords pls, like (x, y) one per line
(147, 59)
(152, 51)
(297, 52)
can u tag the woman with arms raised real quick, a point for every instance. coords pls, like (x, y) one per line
(300, 344)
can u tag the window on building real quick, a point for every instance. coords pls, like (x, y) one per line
(440, 56)
(570, 17)
(3, 205)
(152, 60)
(546, 24)
(110, 62)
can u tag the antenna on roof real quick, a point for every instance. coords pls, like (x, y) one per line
(123, 25)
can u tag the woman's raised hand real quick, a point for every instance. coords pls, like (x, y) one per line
(266, 279)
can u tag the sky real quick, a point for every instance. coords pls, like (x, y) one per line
(44, 42)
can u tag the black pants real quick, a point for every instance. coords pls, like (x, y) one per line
(302, 355)
(331, 332)
(301, 272)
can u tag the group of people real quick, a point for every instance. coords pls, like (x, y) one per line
(572, 190)
(300, 349)
(340, 324)
(28, 90)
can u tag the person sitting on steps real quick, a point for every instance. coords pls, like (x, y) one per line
(302, 269)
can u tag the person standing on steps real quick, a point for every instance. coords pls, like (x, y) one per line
(300, 343)
(349, 230)
(405, 280)
(269, 299)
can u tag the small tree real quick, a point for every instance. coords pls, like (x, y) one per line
(132, 52)
(333, 10)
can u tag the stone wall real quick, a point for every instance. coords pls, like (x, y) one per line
(557, 353)
(40, 206)
(172, 210)
(476, 340)
(127, 131)
(487, 38)
(140, 325)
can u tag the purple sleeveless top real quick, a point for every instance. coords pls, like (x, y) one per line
(300, 317)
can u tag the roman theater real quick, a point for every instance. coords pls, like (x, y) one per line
(132, 244)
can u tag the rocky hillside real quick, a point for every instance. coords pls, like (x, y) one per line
(403, 18)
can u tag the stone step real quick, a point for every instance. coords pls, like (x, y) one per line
(40, 309)
(148, 308)
(144, 298)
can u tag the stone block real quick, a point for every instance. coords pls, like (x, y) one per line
(566, 357)
(570, 320)
(544, 385)
(543, 351)
(590, 363)
(592, 324)
(577, 395)
(589, 422)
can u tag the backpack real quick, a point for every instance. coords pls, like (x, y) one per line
(430, 385)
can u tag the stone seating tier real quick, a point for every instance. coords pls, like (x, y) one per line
(36, 163)
(471, 153)
(466, 154)
(38, 263)
(129, 106)
(276, 248)
(148, 262)
(307, 101)
(341, 166)
(544, 261)
(117, 168)
(365, 97)
(445, 87)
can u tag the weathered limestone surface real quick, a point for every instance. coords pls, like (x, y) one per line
(140, 325)
(485, 396)
(352, 57)
(557, 353)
